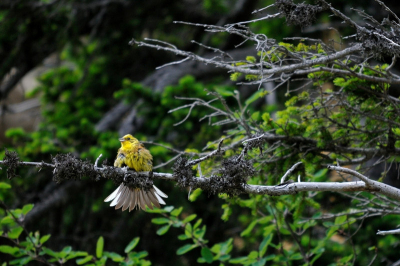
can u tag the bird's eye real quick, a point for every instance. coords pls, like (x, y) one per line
(128, 138)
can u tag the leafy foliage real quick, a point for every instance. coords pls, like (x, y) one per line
(33, 247)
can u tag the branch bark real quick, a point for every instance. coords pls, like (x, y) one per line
(278, 190)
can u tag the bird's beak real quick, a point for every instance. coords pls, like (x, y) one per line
(121, 139)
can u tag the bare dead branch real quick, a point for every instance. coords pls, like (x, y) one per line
(389, 232)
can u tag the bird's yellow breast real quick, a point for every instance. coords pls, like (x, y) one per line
(135, 156)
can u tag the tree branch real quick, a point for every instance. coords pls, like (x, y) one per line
(390, 232)
(118, 174)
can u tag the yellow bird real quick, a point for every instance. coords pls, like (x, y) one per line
(134, 155)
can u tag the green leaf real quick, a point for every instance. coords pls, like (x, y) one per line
(176, 212)
(84, 260)
(21, 261)
(198, 222)
(340, 220)
(100, 262)
(268, 230)
(265, 219)
(261, 262)
(50, 252)
(225, 257)
(15, 232)
(207, 255)
(199, 233)
(188, 230)
(182, 237)
(238, 260)
(270, 257)
(100, 247)
(155, 210)
(235, 76)
(319, 175)
(4, 185)
(339, 82)
(75, 254)
(224, 92)
(255, 116)
(67, 249)
(295, 256)
(175, 222)
(253, 255)
(227, 212)
(331, 231)
(138, 255)
(284, 231)
(256, 96)
(114, 256)
(216, 248)
(189, 218)
(7, 220)
(248, 230)
(264, 245)
(318, 253)
(65, 252)
(43, 239)
(163, 230)
(8, 249)
(346, 259)
(185, 248)
(132, 244)
(160, 220)
(226, 246)
(27, 208)
(16, 212)
(251, 59)
(195, 194)
(28, 245)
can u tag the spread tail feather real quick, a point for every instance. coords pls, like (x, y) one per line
(126, 197)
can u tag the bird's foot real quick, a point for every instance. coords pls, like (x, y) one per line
(125, 170)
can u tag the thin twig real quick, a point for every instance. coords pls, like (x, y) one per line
(288, 172)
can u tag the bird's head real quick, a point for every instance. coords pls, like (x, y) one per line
(128, 141)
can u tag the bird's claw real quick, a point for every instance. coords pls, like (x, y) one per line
(125, 170)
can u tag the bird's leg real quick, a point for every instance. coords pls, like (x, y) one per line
(125, 170)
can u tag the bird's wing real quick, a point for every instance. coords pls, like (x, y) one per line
(145, 159)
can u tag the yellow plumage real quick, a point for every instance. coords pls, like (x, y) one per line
(134, 155)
